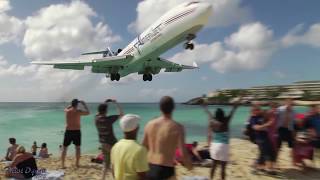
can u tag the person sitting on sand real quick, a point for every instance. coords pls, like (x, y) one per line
(11, 152)
(128, 157)
(192, 151)
(260, 125)
(104, 124)
(73, 133)
(302, 148)
(43, 153)
(100, 157)
(162, 136)
(23, 166)
(34, 148)
(219, 144)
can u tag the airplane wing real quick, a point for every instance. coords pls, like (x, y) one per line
(100, 64)
(174, 67)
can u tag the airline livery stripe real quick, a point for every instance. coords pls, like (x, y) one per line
(179, 15)
(177, 18)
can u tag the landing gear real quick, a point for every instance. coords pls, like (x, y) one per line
(115, 76)
(147, 77)
(189, 45)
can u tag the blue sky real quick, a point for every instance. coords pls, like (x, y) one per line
(246, 43)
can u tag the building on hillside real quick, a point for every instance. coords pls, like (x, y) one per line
(296, 90)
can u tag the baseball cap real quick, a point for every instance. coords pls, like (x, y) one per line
(129, 122)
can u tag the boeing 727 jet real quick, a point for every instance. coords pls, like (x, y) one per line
(142, 55)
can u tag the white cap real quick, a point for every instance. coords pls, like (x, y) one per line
(129, 122)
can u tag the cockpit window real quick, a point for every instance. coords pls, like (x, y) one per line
(193, 2)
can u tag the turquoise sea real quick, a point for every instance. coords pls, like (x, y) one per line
(44, 122)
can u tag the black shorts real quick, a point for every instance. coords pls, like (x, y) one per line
(158, 172)
(284, 134)
(72, 136)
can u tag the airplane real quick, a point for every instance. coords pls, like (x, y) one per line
(142, 55)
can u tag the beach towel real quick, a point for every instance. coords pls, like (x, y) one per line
(47, 175)
(194, 178)
(50, 175)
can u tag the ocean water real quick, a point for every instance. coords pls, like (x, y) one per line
(44, 122)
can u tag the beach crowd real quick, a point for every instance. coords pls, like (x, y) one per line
(163, 145)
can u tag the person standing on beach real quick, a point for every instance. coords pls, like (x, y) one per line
(73, 133)
(286, 118)
(105, 130)
(129, 158)
(161, 137)
(260, 124)
(34, 148)
(272, 115)
(11, 152)
(219, 144)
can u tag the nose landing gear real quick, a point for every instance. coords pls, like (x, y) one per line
(147, 77)
(188, 45)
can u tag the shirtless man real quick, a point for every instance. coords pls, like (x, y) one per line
(11, 152)
(161, 137)
(73, 133)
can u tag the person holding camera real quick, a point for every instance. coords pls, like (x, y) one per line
(73, 133)
(104, 124)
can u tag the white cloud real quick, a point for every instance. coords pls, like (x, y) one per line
(247, 49)
(296, 36)
(225, 12)
(65, 30)
(3, 62)
(4, 6)
(9, 70)
(60, 31)
(157, 93)
(11, 27)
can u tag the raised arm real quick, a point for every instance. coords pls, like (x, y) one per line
(119, 109)
(234, 108)
(205, 108)
(67, 108)
(87, 111)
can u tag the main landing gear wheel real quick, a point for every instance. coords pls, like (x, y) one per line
(147, 77)
(188, 45)
(115, 77)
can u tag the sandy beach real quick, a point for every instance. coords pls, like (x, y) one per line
(243, 153)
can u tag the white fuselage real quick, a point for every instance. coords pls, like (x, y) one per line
(169, 30)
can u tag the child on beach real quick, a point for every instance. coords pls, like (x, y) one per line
(219, 146)
(43, 153)
(11, 152)
(34, 148)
